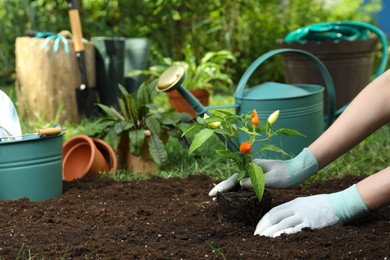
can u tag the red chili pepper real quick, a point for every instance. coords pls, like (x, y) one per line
(245, 148)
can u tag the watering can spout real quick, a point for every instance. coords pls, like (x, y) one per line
(171, 80)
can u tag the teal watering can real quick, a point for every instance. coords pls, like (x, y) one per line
(301, 106)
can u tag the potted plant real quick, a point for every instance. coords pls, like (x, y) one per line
(200, 78)
(229, 127)
(139, 129)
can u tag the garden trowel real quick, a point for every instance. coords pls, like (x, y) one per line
(86, 96)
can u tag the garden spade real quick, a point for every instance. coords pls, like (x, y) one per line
(86, 97)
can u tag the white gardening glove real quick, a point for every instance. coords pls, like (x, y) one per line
(288, 173)
(278, 173)
(9, 120)
(314, 212)
(227, 185)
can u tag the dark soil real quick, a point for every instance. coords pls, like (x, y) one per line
(172, 219)
(244, 206)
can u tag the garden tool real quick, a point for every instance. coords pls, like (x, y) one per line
(9, 120)
(40, 132)
(86, 96)
(340, 31)
(301, 105)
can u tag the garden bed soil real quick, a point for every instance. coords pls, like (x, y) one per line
(97, 218)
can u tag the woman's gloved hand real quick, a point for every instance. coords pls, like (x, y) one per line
(288, 173)
(227, 185)
(314, 212)
(278, 173)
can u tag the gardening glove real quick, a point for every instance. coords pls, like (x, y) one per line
(278, 173)
(227, 185)
(288, 173)
(9, 121)
(313, 212)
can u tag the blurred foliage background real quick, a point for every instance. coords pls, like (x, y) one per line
(248, 28)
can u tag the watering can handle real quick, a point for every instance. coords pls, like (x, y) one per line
(324, 72)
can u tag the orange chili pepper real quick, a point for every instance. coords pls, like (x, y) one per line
(245, 148)
(255, 118)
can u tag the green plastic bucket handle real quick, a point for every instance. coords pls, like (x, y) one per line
(324, 72)
(341, 30)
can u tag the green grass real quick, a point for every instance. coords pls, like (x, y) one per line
(368, 157)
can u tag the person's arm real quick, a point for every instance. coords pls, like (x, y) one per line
(369, 110)
(375, 189)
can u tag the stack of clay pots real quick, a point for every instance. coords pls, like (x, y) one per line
(83, 155)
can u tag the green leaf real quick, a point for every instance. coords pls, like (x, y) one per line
(132, 109)
(226, 113)
(123, 90)
(213, 119)
(200, 120)
(136, 139)
(153, 125)
(272, 148)
(191, 129)
(256, 175)
(123, 108)
(118, 128)
(111, 112)
(157, 150)
(247, 131)
(199, 139)
(227, 154)
(127, 125)
(241, 175)
(286, 131)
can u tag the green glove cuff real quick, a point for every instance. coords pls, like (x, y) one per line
(348, 204)
(302, 167)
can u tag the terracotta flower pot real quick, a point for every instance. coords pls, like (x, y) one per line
(108, 154)
(81, 157)
(182, 106)
(142, 164)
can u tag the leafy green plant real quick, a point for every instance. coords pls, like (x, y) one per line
(207, 73)
(230, 128)
(138, 117)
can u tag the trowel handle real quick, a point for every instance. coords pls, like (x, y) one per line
(78, 43)
(324, 72)
(75, 25)
(49, 131)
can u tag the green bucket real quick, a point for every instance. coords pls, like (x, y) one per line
(31, 168)
(301, 105)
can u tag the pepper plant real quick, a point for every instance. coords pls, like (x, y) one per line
(230, 128)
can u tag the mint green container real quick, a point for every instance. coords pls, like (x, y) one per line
(301, 105)
(31, 168)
